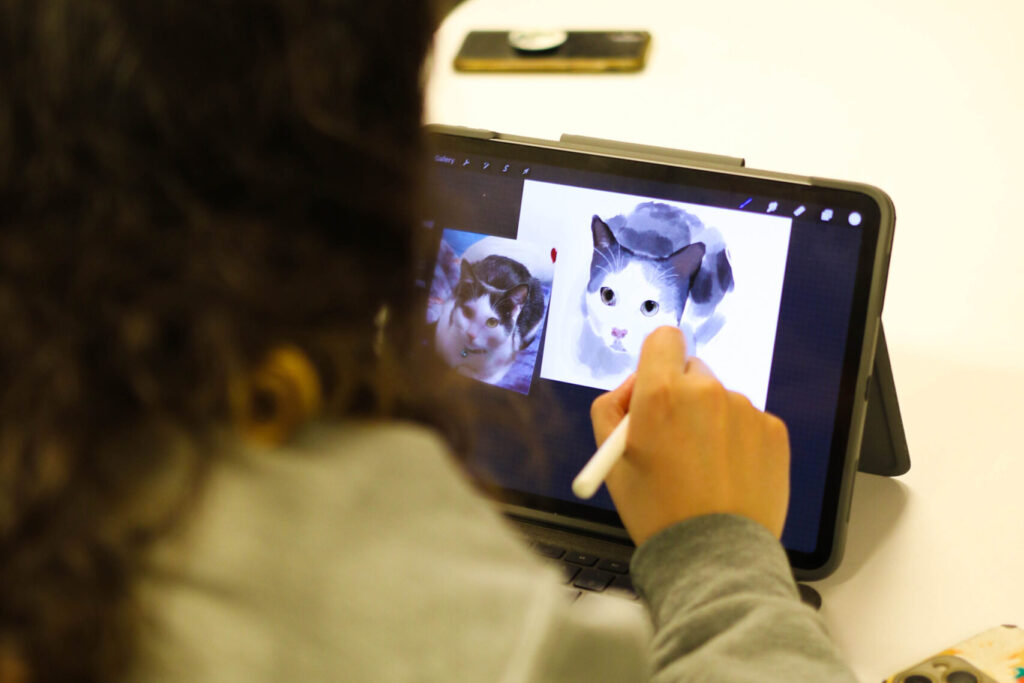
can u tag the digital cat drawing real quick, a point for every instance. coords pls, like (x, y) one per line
(496, 310)
(632, 291)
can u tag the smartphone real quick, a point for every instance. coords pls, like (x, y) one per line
(993, 656)
(553, 51)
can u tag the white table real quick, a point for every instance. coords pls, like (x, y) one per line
(926, 101)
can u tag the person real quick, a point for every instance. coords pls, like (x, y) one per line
(222, 455)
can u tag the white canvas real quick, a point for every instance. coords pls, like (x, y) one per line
(556, 220)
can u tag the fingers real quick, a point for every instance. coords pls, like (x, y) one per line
(663, 352)
(608, 409)
(695, 366)
(693, 447)
(662, 358)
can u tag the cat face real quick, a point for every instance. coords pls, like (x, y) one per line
(626, 306)
(630, 294)
(483, 317)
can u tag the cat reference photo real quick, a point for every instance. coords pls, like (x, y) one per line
(495, 311)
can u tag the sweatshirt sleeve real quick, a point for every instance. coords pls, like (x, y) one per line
(725, 607)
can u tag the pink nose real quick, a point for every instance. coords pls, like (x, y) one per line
(617, 333)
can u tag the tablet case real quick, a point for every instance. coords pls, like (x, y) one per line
(883, 448)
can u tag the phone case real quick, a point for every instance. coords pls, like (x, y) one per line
(579, 51)
(994, 656)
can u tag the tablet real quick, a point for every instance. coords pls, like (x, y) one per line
(551, 261)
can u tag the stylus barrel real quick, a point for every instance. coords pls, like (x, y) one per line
(597, 468)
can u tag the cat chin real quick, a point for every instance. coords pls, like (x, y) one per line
(611, 344)
(492, 377)
(616, 346)
(602, 362)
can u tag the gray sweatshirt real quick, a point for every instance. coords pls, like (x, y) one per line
(360, 552)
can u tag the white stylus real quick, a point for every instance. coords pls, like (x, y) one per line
(600, 464)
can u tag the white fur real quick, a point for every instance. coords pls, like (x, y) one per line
(623, 326)
(489, 350)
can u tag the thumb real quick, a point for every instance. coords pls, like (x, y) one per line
(608, 409)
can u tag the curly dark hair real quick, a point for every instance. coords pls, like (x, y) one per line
(184, 184)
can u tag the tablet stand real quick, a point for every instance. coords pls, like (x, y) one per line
(883, 449)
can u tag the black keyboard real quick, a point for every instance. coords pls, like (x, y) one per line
(585, 571)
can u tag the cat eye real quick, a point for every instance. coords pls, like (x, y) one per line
(649, 307)
(492, 322)
(608, 296)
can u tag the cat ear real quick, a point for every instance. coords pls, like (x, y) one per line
(511, 304)
(466, 273)
(603, 237)
(686, 261)
(517, 295)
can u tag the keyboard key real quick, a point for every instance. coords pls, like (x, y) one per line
(549, 550)
(593, 580)
(613, 566)
(571, 570)
(581, 558)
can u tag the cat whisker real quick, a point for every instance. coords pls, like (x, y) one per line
(611, 264)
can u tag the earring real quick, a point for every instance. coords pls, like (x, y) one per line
(279, 396)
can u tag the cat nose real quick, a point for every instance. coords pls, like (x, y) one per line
(617, 333)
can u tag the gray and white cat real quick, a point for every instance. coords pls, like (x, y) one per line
(495, 311)
(630, 293)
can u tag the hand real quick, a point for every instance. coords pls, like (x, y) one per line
(693, 448)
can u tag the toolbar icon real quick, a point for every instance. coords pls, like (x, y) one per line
(854, 218)
(826, 215)
(487, 165)
(772, 206)
(799, 210)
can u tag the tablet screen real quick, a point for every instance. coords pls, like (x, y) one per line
(551, 268)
